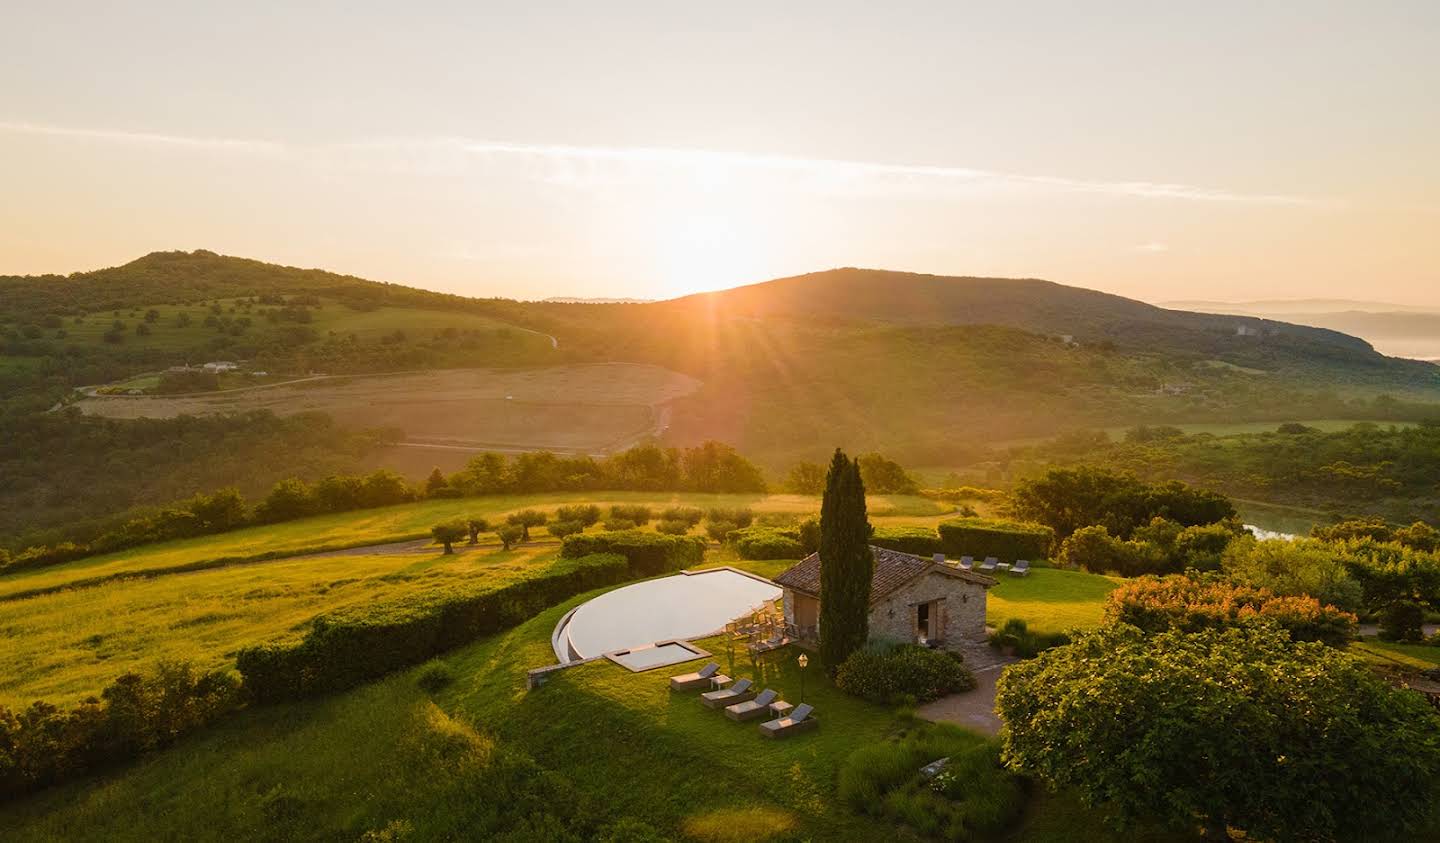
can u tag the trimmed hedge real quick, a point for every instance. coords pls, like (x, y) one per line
(342, 650)
(920, 541)
(648, 554)
(1005, 540)
(767, 543)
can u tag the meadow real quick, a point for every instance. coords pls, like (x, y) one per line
(64, 646)
(398, 523)
(390, 756)
(199, 599)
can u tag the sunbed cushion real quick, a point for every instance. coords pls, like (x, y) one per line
(708, 670)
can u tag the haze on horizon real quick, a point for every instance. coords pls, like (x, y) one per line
(656, 149)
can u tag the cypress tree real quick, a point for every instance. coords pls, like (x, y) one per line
(846, 565)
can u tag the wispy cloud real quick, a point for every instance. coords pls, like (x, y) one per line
(599, 165)
(144, 138)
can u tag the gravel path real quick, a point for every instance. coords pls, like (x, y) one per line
(973, 709)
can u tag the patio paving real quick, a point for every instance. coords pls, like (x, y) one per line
(973, 709)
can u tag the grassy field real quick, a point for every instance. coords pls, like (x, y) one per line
(386, 755)
(70, 641)
(591, 409)
(1050, 599)
(405, 521)
(64, 646)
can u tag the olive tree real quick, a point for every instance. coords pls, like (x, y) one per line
(525, 519)
(448, 534)
(509, 534)
(1225, 729)
(476, 526)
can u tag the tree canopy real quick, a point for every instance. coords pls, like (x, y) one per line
(1237, 728)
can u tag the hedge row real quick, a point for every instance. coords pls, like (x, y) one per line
(345, 649)
(42, 744)
(920, 541)
(1005, 540)
(767, 543)
(648, 554)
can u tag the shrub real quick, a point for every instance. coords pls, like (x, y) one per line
(648, 554)
(1095, 550)
(777, 519)
(688, 514)
(635, 513)
(434, 676)
(740, 516)
(766, 543)
(671, 527)
(920, 541)
(973, 796)
(1402, 620)
(344, 648)
(42, 745)
(888, 673)
(561, 529)
(720, 530)
(1005, 540)
(449, 533)
(1191, 604)
(616, 525)
(1015, 635)
(587, 514)
(808, 533)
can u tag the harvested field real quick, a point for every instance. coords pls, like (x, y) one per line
(591, 409)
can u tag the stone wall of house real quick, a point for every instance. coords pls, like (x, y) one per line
(787, 601)
(962, 602)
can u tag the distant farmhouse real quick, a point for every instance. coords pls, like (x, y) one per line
(912, 599)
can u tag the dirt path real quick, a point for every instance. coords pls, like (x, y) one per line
(973, 709)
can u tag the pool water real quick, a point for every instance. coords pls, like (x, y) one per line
(676, 608)
(645, 658)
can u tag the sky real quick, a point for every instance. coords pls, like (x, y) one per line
(1225, 151)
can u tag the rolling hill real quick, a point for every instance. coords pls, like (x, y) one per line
(930, 369)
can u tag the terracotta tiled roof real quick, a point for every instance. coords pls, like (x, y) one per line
(892, 570)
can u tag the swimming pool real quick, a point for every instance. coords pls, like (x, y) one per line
(678, 608)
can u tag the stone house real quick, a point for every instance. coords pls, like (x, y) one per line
(912, 599)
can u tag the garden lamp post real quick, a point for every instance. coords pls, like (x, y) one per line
(803, 660)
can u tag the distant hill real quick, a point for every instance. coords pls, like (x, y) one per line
(926, 367)
(1397, 330)
(1284, 308)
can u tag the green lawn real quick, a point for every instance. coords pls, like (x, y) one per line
(1419, 656)
(618, 742)
(1050, 599)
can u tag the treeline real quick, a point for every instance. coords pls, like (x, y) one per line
(709, 467)
(70, 477)
(1368, 466)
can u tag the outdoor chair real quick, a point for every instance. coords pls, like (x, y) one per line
(1021, 568)
(989, 564)
(702, 678)
(967, 562)
(751, 709)
(737, 693)
(798, 721)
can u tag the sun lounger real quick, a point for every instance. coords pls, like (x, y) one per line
(967, 562)
(701, 678)
(989, 564)
(1021, 568)
(737, 693)
(751, 709)
(798, 721)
